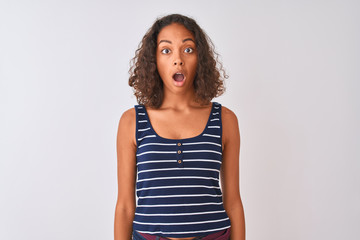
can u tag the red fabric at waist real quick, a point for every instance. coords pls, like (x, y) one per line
(221, 235)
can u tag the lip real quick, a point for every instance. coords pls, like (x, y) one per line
(176, 83)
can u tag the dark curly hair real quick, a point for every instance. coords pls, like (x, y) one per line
(144, 76)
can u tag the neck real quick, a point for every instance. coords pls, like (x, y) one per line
(179, 100)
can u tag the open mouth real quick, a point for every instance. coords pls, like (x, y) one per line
(178, 77)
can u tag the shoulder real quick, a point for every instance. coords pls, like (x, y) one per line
(230, 126)
(127, 126)
(128, 116)
(228, 115)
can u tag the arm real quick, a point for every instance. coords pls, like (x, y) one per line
(126, 170)
(230, 174)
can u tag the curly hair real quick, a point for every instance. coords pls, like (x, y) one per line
(144, 76)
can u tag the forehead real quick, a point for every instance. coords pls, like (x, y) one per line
(173, 32)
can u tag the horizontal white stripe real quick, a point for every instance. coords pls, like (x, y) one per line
(155, 152)
(216, 107)
(180, 177)
(214, 119)
(210, 135)
(180, 205)
(201, 160)
(162, 144)
(203, 231)
(182, 223)
(155, 161)
(181, 169)
(213, 126)
(141, 113)
(143, 129)
(188, 195)
(148, 136)
(193, 151)
(142, 121)
(178, 186)
(140, 107)
(174, 160)
(216, 113)
(202, 143)
(177, 214)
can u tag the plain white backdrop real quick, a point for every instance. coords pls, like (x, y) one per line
(294, 86)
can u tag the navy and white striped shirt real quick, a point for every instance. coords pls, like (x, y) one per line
(178, 180)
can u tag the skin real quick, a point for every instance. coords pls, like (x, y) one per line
(178, 109)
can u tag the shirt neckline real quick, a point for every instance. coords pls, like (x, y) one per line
(179, 139)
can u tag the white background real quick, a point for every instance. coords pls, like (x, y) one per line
(294, 86)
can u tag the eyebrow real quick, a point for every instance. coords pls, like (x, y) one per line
(186, 39)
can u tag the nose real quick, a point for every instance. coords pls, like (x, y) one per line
(178, 60)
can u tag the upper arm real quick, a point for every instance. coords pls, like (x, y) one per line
(126, 159)
(230, 158)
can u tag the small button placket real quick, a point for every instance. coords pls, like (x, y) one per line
(179, 154)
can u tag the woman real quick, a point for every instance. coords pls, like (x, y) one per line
(176, 144)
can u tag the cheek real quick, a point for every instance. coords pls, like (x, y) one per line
(161, 60)
(162, 68)
(160, 65)
(194, 64)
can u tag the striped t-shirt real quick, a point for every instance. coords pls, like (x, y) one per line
(177, 183)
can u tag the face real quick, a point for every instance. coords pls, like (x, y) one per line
(176, 57)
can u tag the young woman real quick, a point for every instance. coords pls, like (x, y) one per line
(174, 146)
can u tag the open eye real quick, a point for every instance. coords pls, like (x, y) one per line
(165, 51)
(189, 50)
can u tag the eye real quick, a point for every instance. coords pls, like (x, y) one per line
(165, 51)
(189, 50)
